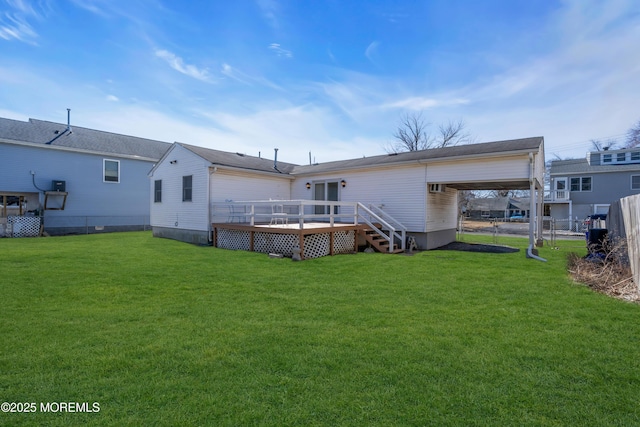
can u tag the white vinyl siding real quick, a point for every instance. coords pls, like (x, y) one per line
(246, 186)
(442, 210)
(490, 170)
(399, 191)
(172, 212)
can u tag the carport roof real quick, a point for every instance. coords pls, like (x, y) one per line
(425, 156)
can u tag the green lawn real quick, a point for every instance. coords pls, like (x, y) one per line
(160, 332)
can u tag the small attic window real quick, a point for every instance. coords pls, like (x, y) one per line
(240, 154)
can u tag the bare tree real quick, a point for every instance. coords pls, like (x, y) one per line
(599, 145)
(633, 136)
(412, 134)
(453, 133)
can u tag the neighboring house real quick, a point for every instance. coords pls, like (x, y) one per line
(72, 179)
(498, 208)
(418, 189)
(582, 187)
(488, 208)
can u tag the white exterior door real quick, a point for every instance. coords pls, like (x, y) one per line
(561, 189)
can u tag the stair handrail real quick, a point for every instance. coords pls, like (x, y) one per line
(386, 224)
(398, 226)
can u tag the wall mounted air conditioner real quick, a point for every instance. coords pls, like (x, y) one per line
(436, 188)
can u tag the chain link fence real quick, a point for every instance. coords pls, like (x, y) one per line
(57, 226)
(552, 229)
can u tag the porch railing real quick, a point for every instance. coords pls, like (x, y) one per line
(301, 212)
(557, 196)
(264, 212)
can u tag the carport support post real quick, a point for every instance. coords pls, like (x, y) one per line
(540, 219)
(533, 214)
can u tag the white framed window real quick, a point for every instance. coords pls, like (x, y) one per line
(157, 191)
(582, 183)
(635, 182)
(111, 170)
(620, 158)
(187, 188)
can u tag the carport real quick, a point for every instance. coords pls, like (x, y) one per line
(520, 167)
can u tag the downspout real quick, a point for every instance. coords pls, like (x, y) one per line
(212, 170)
(532, 210)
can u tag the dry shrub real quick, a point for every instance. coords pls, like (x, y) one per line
(607, 273)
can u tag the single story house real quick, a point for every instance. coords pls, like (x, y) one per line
(62, 179)
(502, 208)
(417, 190)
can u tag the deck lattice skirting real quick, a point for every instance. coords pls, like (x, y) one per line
(314, 242)
(23, 226)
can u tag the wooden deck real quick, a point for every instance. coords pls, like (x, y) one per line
(314, 240)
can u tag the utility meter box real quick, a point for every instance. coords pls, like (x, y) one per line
(57, 185)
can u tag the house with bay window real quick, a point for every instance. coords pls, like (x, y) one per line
(582, 187)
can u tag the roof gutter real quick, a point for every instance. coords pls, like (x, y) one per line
(416, 161)
(76, 150)
(254, 171)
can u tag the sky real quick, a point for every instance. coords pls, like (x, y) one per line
(325, 79)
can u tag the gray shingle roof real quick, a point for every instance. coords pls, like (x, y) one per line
(55, 135)
(224, 158)
(238, 160)
(582, 166)
(434, 154)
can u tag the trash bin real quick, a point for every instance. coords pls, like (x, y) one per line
(595, 239)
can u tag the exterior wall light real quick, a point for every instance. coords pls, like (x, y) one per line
(308, 185)
(343, 183)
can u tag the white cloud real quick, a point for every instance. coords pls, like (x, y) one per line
(15, 25)
(112, 98)
(269, 10)
(95, 7)
(178, 64)
(420, 103)
(371, 51)
(231, 72)
(283, 53)
(239, 76)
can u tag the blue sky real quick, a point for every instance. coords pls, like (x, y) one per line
(328, 77)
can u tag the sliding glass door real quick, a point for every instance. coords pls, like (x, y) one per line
(325, 190)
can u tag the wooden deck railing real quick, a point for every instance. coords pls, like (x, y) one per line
(301, 212)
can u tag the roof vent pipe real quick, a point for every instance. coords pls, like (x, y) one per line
(275, 160)
(69, 120)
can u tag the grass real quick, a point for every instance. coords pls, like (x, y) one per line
(160, 332)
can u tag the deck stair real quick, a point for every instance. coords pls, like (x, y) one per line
(379, 242)
(383, 232)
